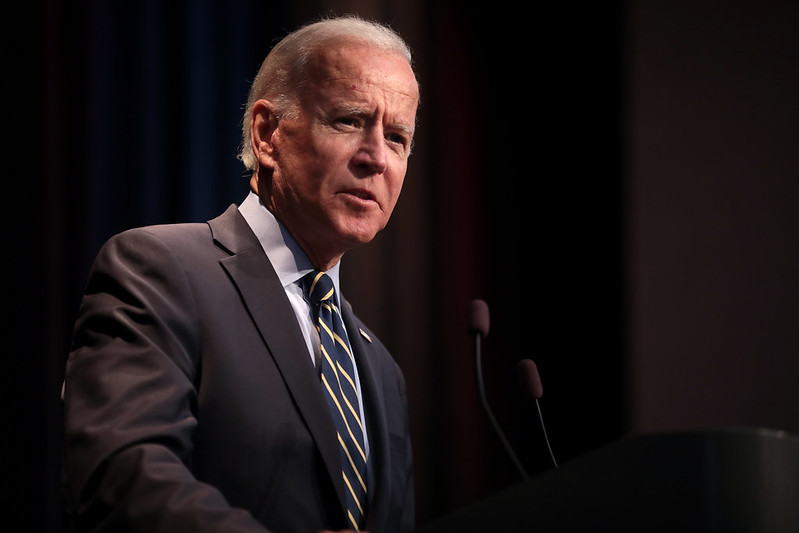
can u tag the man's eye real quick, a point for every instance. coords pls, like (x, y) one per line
(347, 121)
(397, 138)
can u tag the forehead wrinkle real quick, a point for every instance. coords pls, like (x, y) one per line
(364, 112)
(336, 68)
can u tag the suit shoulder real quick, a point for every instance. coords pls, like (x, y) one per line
(185, 243)
(180, 232)
(166, 232)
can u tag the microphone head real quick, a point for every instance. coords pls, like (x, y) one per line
(478, 317)
(529, 379)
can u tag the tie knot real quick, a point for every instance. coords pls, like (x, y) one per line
(318, 287)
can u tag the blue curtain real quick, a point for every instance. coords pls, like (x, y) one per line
(155, 93)
(123, 114)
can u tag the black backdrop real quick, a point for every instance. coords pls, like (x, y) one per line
(121, 114)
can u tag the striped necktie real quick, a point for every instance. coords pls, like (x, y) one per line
(338, 380)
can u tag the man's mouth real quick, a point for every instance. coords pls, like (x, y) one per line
(361, 194)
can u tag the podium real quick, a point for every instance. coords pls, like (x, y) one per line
(719, 481)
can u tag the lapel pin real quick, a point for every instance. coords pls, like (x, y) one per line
(365, 335)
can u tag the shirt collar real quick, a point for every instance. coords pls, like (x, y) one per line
(287, 257)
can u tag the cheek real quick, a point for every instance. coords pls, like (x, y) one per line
(396, 180)
(316, 163)
(298, 172)
(393, 190)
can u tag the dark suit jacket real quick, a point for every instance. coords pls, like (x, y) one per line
(191, 402)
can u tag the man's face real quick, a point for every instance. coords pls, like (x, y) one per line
(339, 164)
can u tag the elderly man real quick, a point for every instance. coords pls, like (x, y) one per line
(218, 380)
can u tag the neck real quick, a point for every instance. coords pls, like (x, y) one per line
(322, 255)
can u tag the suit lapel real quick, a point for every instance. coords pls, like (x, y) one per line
(375, 419)
(266, 300)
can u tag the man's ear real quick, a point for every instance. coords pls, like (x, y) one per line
(263, 124)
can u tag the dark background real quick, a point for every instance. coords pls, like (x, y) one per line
(618, 182)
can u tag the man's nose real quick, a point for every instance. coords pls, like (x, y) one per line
(372, 153)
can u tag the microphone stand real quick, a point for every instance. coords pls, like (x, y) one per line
(484, 401)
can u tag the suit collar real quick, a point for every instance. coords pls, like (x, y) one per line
(266, 300)
(231, 232)
(286, 255)
(288, 258)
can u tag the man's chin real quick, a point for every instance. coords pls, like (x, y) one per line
(359, 232)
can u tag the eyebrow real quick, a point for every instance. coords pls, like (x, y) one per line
(403, 128)
(360, 112)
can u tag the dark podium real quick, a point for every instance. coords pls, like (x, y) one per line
(720, 481)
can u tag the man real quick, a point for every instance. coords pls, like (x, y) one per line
(196, 396)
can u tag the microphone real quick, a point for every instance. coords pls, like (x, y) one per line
(530, 381)
(478, 326)
(478, 318)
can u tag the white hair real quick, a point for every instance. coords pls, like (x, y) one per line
(283, 73)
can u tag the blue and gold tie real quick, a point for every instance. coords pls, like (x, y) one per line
(338, 380)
